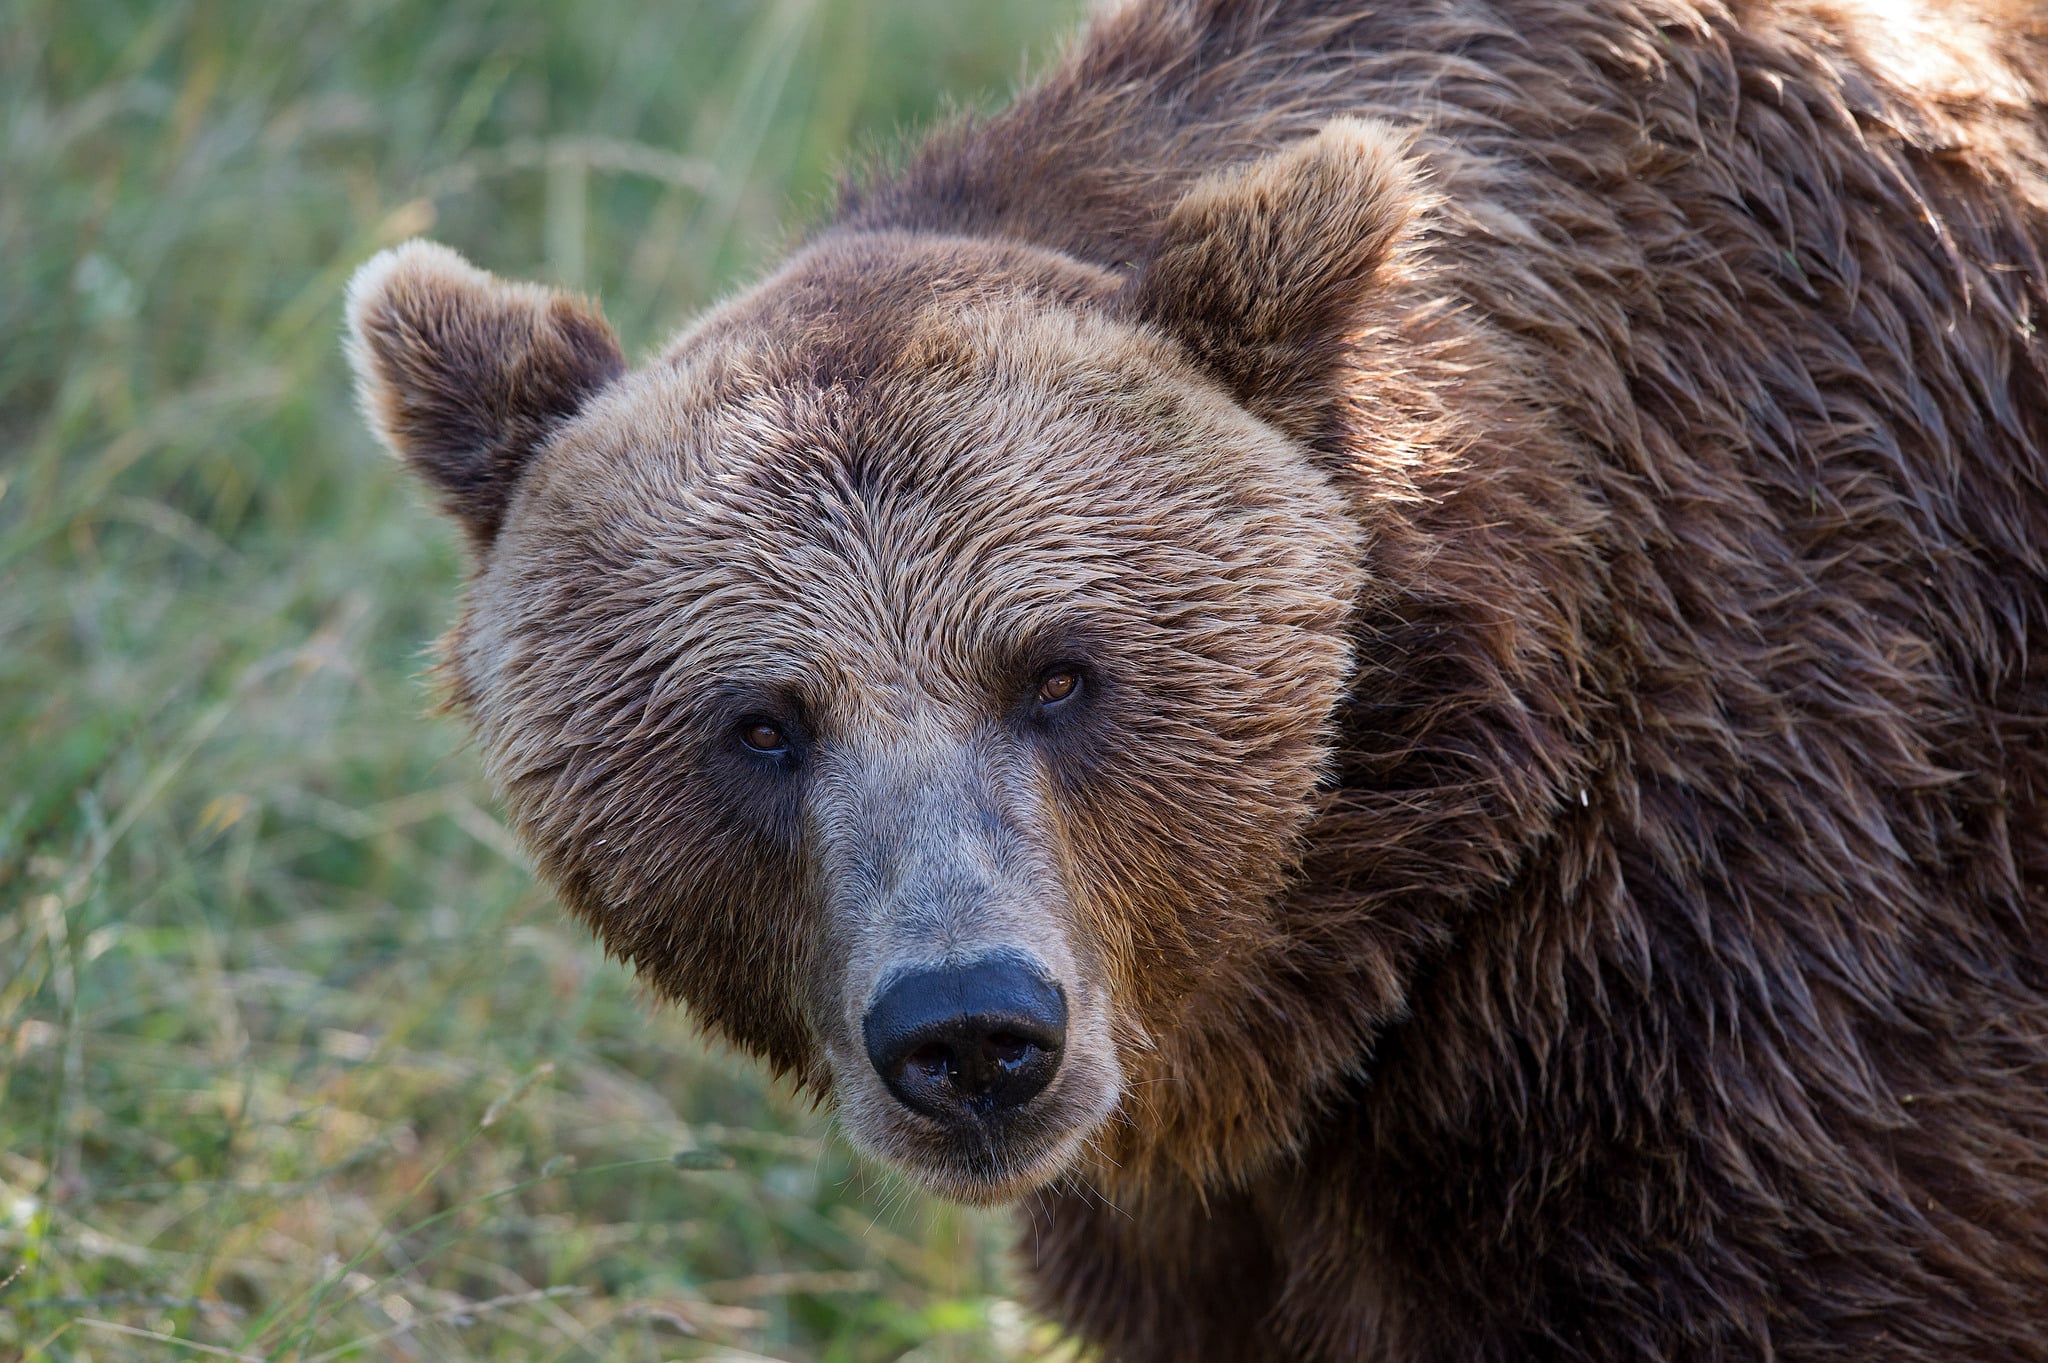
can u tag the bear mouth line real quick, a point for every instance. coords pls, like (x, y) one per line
(989, 1159)
(999, 1168)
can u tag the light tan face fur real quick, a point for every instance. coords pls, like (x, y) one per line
(874, 516)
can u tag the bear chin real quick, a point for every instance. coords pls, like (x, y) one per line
(995, 1175)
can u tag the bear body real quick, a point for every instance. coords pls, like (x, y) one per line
(1439, 610)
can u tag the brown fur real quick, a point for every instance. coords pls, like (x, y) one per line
(1552, 499)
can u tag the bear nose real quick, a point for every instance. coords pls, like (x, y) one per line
(975, 1040)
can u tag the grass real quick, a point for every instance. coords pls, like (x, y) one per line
(296, 1061)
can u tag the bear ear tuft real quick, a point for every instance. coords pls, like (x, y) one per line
(464, 375)
(1264, 271)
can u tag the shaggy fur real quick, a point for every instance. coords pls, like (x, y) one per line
(1550, 504)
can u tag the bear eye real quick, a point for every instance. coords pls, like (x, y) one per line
(1058, 684)
(762, 736)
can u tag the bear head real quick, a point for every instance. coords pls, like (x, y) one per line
(926, 667)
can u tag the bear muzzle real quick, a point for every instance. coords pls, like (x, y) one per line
(963, 1009)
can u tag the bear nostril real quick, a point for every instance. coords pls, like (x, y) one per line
(1007, 1051)
(969, 1041)
(933, 1061)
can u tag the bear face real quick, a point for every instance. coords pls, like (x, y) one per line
(926, 666)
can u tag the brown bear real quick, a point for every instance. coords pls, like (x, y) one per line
(1391, 660)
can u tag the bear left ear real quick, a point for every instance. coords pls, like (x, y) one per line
(464, 375)
(1264, 271)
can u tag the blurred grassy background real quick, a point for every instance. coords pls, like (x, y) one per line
(296, 1062)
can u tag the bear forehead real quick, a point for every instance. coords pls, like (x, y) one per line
(1018, 478)
(1000, 435)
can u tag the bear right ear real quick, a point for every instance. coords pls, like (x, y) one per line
(464, 374)
(1264, 271)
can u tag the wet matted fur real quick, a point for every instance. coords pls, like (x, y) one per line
(1548, 504)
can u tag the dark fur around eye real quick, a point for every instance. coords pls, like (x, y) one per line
(756, 789)
(1073, 721)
